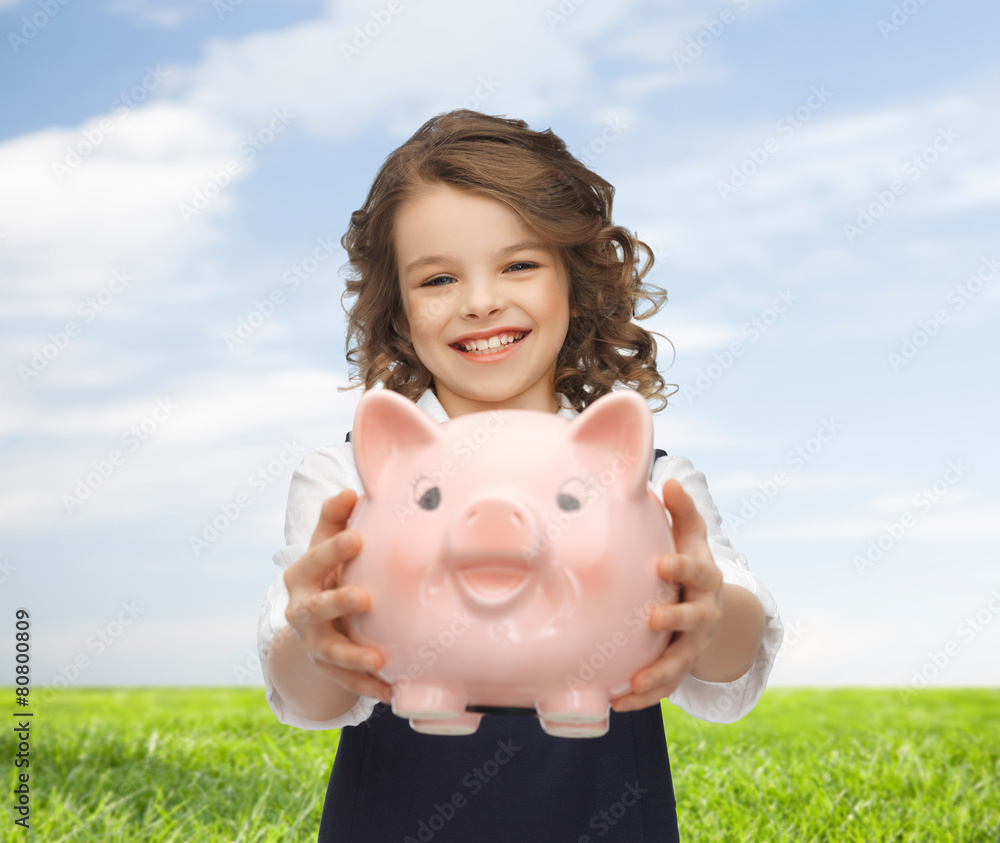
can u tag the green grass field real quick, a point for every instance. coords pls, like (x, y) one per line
(150, 766)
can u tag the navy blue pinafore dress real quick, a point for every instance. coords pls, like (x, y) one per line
(508, 782)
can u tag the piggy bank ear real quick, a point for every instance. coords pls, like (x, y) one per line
(385, 424)
(618, 429)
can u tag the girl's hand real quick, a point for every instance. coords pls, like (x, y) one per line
(316, 605)
(696, 619)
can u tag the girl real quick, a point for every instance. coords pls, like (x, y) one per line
(479, 230)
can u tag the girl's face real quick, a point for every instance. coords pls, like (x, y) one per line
(468, 265)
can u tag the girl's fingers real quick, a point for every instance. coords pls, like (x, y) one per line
(671, 667)
(329, 605)
(333, 516)
(688, 526)
(661, 679)
(316, 620)
(694, 572)
(360, 683)
(340, 652)
(352, 666)
(320, 565)
(693, 615)
(316, 605)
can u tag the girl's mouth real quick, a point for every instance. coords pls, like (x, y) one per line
(489, 354)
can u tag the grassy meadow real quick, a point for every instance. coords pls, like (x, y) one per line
(158, 765)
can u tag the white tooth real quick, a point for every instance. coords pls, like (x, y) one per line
(495, 341)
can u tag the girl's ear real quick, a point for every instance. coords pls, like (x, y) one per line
(402, 324)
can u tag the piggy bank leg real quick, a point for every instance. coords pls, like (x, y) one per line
(580, 713)
(575, 730)
(464, 724)
(428, 701)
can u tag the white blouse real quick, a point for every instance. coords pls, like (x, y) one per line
(330, 470)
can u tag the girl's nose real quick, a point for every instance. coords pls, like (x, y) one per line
(482, 297)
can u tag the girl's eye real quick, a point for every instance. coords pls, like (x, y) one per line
(445, 278)
(431, 283)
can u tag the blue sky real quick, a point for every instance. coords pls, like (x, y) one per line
(820, 189)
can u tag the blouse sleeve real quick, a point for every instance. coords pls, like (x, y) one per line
(722, 702)
(320, 475)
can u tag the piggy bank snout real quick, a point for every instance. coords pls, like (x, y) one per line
(491, 527)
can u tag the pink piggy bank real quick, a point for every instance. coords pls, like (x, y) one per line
(511, 558)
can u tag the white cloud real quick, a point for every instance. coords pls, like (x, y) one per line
(690, 333)
(816, 179)
(151, 650)
(745, 483)
(225, 428)
(687, 432)
(304, 67)
(152, 13)
(348, 71)
(824, 646)
(980, 524)
(123, 199)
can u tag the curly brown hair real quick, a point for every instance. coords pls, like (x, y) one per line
(558, 197)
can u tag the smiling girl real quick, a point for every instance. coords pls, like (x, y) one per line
(489, 275)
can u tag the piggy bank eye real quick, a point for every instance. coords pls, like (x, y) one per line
(571, 495)
(426, 494)
(567, 502)
(430, 499)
